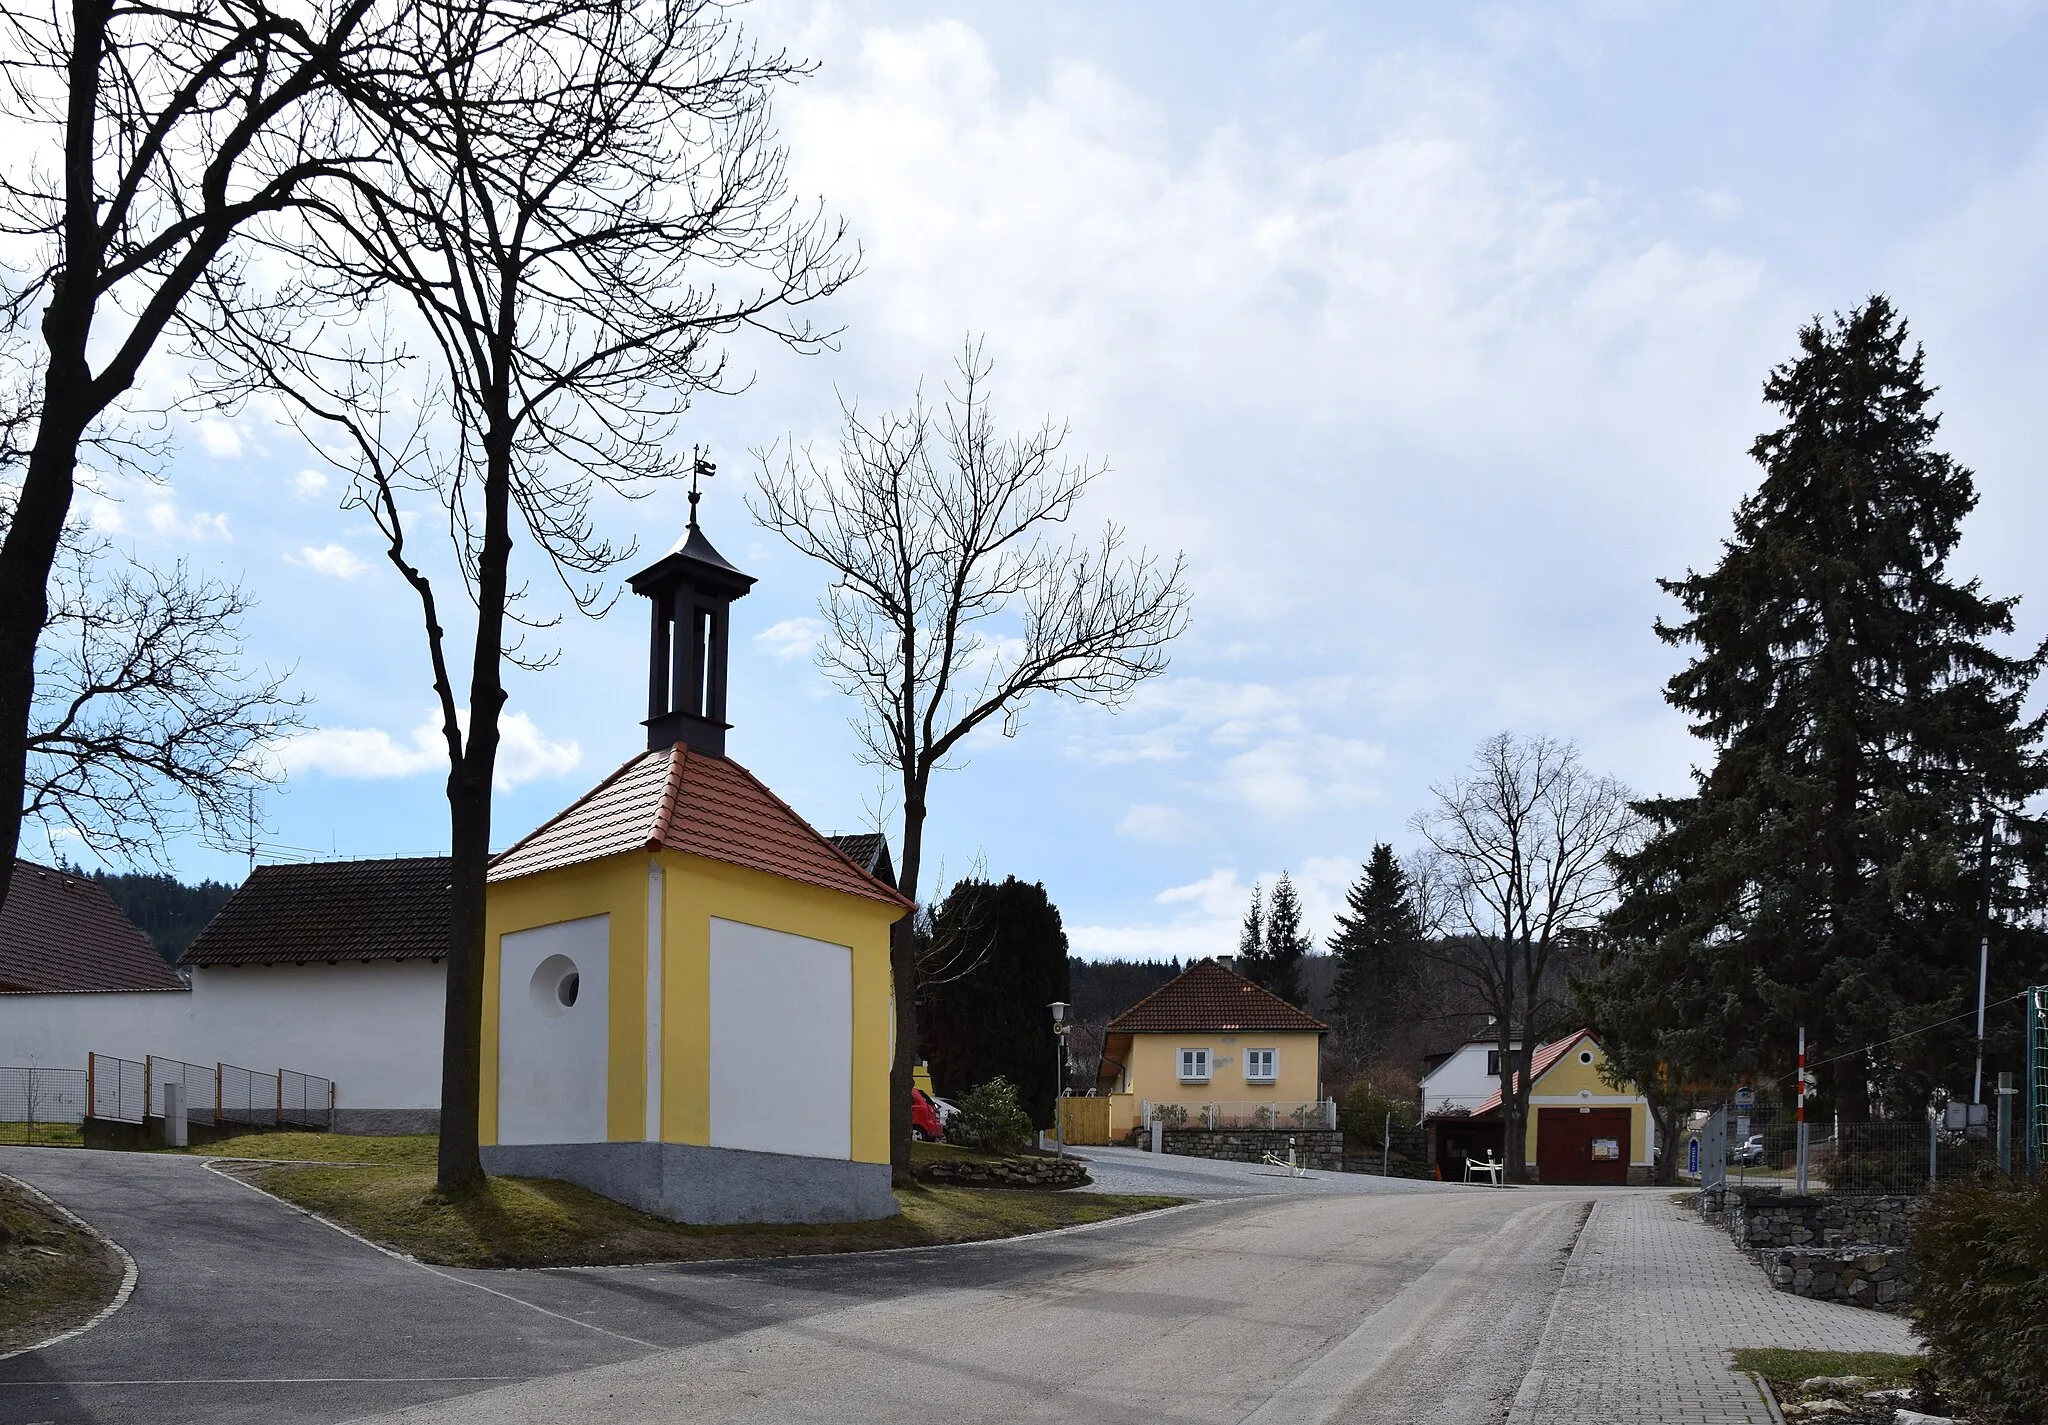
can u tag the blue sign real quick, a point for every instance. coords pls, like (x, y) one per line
(1692, 1158)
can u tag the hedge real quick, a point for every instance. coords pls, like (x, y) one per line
(1980, 1286)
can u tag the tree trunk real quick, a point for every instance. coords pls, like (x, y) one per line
(903, 977)
(459, 1168)
(25, 559)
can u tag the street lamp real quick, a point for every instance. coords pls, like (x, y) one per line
(1060, 1030)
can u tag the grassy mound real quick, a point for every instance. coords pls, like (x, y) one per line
(52, 1275)
(383, 1189)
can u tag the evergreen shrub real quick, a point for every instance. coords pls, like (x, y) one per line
(991, 1119)
(1980, 1286)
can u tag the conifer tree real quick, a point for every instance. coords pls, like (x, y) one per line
(1824, 872)
(1373, 944)
(1286, 942)
(1251, 940)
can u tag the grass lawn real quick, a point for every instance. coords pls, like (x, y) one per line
(531, 1222)
(1791, 1367)
(52, 1276)
(40, 1135)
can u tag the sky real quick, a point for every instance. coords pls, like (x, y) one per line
(1432, 336)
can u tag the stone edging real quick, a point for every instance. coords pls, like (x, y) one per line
(121, 1295)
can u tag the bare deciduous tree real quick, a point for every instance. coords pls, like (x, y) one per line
(953, 603)
(1520, 871)
(574, 203)
(142, 716)
(172, 125)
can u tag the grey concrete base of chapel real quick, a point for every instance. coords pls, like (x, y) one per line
(378, 1121)
(707, 1186)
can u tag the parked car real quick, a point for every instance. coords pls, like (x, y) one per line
(1750, 1152)
(927, 1124)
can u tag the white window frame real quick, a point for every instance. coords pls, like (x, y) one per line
(1194, 1059)
(1272, 1074)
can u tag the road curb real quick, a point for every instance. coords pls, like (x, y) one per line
(128, 1270)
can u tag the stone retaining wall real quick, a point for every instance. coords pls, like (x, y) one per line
(1834, 1247)
(1317, 1148)
(1770, 1219)
(1008, 1172)
(1876, 1277)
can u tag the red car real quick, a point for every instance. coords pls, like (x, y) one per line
(925, 1123)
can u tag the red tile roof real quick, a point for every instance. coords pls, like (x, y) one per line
(692, 802)
(1207, 997)
(393, 909)
(60, 932)
(1540, 1063)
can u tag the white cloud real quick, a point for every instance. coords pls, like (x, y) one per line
(1209, 913)
(167, 521)
(371, 754)
(791, 638)
(220, 438)
(334, 560)
(310, 482)
(1147, 821)
(1716, 203)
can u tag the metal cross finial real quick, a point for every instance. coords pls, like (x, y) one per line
(700, 467)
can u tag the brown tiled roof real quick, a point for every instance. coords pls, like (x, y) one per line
(62, 932)
(393, 909)
(692, 802)
(1540, 1063)
(1207, 997)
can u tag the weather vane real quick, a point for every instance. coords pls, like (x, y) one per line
(700, 468)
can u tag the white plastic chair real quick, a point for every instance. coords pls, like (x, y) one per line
(1491, 1169)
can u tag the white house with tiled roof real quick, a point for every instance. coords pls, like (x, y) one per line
(687, 992)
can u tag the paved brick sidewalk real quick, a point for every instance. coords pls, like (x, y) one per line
(1652, 1301)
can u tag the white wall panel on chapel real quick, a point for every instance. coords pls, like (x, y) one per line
(781, 1042)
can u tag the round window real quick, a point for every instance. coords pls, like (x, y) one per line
(1585, 1056)
(556, 982)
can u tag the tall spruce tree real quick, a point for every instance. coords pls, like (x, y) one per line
(1286, 942)
(1252, 959)
(1374, 945)
(1824, 871)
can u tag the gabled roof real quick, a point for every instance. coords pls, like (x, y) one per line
(868, 850)
(689, 801)
(1540, 1063)
(392, 909)
(1207, 997)
(61, 932)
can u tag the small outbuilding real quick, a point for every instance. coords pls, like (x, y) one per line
(687, 991)
(1582, 1131)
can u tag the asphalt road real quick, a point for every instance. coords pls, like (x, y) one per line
(1385, 1304)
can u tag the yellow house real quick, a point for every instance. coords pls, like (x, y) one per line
(1211, 1041)
(1581, 1129)
(687, 993)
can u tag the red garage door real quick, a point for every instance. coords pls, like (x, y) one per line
(1583, 1146)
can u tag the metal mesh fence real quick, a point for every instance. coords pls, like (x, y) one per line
(1901, 1156)
(304, 1100)
(42, 1095)
(201, 1082)
(118, 1088)
(247, 1096)
(1254, 1113)
(2035, 1138)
